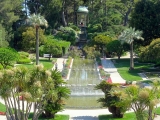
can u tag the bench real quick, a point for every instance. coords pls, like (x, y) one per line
(47, 56)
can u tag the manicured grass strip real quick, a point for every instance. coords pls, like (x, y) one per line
(127, 116)
(46, 63)
(157, 110)
(2, 108)
(123, 66)
(57, 117)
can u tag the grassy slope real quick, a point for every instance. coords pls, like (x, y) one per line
(123, 68)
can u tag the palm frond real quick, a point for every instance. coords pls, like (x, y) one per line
(37, 20)
(129, 35)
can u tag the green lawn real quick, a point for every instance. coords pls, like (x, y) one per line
(2, 108)
(57, 117)
(127, 116)
(46, 63)
(123, 68)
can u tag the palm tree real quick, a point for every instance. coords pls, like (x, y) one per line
(37, 20)
(128, 36)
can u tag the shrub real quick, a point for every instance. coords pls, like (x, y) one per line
(114, 99)
(24, 58)
(24, 53)
(23, 61)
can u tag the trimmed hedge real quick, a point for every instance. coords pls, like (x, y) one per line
(24, 61)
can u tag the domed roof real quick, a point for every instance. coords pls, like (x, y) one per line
(82, 9)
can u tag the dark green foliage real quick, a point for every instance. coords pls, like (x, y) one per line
(98, 61)
(18, 37)
(94, 28)
(146, 17)
(74, 27)
(68, 34)
(116, 47)
(100, 41)
(10, 12)
(149, 53)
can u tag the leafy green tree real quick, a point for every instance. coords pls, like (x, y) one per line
(57, 12)
(143, 54)
(128, 36)
(29, 39)
(123, 7)
(8, 57)
(53, 48)
(116, 47)
(90, 52)
(68, 34)
(115, 99)
(149, 53)
(10, 12)
(101, 41)
(145, 17)
(37, 21)
(143, 100)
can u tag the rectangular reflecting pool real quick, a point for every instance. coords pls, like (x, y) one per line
(83, 79)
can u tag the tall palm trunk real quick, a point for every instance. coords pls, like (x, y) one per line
(131, 57)
(37, 46)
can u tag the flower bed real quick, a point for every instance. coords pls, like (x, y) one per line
(103, 73)
(2, 113)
